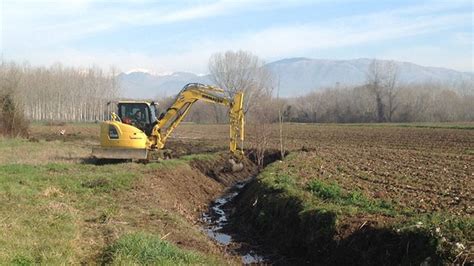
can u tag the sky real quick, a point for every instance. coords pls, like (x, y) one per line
(166, 36)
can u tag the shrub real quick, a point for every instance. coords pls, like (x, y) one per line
(12, 120)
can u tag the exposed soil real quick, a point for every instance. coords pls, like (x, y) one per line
(426, 169)
(418, 170)
(185, 190)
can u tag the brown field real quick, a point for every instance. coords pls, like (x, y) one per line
(425, 167)
(419, 169)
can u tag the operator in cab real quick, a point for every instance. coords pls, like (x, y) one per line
(137, 120)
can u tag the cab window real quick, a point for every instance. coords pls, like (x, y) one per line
(134, 112)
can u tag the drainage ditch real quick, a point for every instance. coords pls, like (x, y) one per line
(216, 221)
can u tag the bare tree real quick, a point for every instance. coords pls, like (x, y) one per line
(241, 71)
(391, 87)
(410, 103)
(374, 83)
(382, 83)
(262, 128)
(58, 92)
(281, 105)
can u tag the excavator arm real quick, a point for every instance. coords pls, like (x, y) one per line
(190, 94)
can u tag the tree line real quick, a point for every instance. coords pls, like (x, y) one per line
(58, 92)
(410, 103)
(77, 94)
(381, 99)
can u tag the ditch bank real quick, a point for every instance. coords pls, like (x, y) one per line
(263, 219)
(304, 230)
(167, 201)
(282, 223)
(216, 220)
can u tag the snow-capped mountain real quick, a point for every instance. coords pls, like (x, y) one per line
(297, 76)
(143, 85)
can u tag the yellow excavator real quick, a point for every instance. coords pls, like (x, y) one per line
(135, 133)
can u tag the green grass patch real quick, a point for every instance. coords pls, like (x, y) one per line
(356, 201)
(42, 204)
(324, 190)
(147, 249)
(47, 210)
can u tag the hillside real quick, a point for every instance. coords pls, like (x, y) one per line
(302, 75)
(297, 76)
(145, 85)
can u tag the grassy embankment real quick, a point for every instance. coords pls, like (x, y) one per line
(56, 211)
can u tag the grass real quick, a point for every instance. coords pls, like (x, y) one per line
(331, 192)
(166, 164)
(22, 151)
(146, 249)
(324, 190)
(182, 161)
(43, 204)
(319, 194)
(47, 209)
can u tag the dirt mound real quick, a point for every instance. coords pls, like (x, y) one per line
(220, 169)
(181, 147)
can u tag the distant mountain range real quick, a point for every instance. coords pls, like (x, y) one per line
(297, 76)
(142, 85)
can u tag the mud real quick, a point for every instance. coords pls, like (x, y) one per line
(216, 222)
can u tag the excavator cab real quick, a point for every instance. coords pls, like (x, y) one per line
(141, 115)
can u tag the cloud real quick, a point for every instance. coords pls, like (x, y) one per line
(275, 41)
(64, 21)
(306, 39)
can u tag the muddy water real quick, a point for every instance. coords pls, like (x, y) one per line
(218, 217)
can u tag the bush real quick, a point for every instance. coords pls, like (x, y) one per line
(12, 120)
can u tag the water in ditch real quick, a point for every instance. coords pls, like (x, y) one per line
(218, 217)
